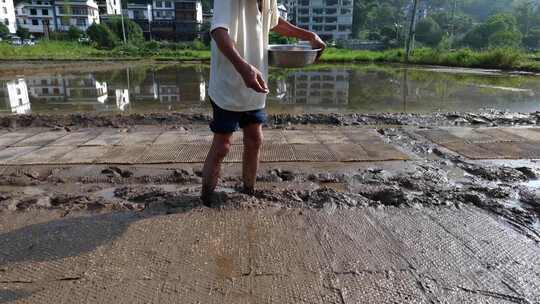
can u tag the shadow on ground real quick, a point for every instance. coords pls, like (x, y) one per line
(62, 238)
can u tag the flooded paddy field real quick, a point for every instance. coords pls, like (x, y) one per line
(342, 89)
(394, 185)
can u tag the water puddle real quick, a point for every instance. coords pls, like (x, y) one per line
(328, 88)
(533, 184)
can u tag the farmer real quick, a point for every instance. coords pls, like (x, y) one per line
(238, 82)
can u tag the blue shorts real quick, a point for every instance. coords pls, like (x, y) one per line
(225, 121)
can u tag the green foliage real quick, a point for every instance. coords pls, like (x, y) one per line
(207, 5)
(74, 33)
(429, 32)
(460, 23)
(511, 39)
(58, 36)
(102, 36)
(278, 39)
(532, 40)
(23, 32)
(4, 31)
(50, 50)
(134, 33)
(496, 31)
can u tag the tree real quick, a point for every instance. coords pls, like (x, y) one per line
(134, 33)
(207, 5)
(74, 33)
(4, 31)
(497, 30)
(532, 40)
(460, 23)
(505, 39)
(23, 32)
(429, 32)
(102, 36)
(524, 12)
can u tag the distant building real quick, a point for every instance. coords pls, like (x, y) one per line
(7, 15)
(15, 95)
(36, 16)
(41, 17)
(109, 7)
(140, 12)
(188, 19)
(283, 11)
(78, 13)
(331, 19)
(177, 20)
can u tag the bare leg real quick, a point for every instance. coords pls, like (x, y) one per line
(253, 138)
(221, 145)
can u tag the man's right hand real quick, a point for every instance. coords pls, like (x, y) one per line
(253, 78)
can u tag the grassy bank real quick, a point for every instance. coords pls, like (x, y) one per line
(492, 59)
(496, 58)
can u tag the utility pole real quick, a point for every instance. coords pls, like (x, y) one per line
(412, 31)
(453, 26)
(123, 27)
(453, 30)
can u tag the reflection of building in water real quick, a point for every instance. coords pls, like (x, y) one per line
(15, 94)
(122, 99)
(172, 86)
(80, 90)
(318, 88)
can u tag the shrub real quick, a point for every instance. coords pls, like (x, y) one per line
(134, 33)
(58, 36)
(74, 33)
(429, 32)
(102, 36)
(4, 31)
(23, 32)
(511, 39)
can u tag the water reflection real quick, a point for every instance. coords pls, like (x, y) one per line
(320, 88)
(15, 95)
(361, 88)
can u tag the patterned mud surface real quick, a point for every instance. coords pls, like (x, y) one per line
(435, 226)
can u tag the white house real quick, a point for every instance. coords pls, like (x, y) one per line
(331, 19)
(40, 16)
(7, 15)
(78, 13)
(109, 7)
(36, 16)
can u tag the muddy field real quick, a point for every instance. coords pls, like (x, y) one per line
(434, 177)
(420, 217)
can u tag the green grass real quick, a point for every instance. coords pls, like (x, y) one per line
(495, 58)
(59, 50)
(50, 50)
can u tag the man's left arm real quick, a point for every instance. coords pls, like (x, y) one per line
(286, 29)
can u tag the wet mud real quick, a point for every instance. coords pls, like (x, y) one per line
(501, 191)
(488, 118)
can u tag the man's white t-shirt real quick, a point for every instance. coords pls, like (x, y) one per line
(249, 30)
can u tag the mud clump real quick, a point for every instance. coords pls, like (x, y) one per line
(492, 173)
(386, 195)
(117, 172)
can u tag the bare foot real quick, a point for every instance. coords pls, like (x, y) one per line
(213, 199)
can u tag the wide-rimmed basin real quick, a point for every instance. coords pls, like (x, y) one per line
(291, 55)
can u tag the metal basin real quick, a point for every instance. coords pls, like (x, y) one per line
(291, 56)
